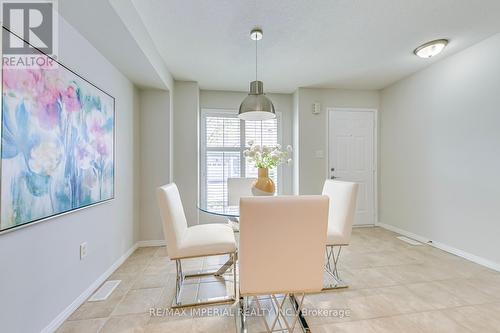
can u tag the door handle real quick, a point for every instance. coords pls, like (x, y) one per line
(333, 177)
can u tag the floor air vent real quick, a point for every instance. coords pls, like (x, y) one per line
(106, 289)
(408, 240)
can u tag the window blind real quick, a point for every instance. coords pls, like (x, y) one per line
(224, 138)
(262, 133)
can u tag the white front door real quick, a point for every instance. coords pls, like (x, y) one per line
(351, 156)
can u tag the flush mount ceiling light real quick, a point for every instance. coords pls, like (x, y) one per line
(430, 49)
(256, 106)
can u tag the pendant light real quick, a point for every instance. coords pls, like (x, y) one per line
(256, 106)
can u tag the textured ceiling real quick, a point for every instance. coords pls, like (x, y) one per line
(332, 43)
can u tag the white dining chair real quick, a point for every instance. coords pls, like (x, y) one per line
(236, 189)
(281, 252)
(185, 242)
(341, 214)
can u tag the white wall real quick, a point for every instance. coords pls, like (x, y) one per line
(296, 143)
(137, 165)
(154, 158)
(41, 273)
(185, 141)
(311, 130)
(440, 152)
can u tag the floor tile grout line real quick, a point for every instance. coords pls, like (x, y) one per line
(434, 260)
(410, 313)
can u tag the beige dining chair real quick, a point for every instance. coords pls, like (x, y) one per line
(341, 215)
(281, 252)
(236, 189)
(185, 242)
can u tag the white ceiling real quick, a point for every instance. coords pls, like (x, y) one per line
(124, 42)
(358, 44)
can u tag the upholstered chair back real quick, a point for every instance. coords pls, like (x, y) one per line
(173, 217)
(343, 197)
(282, 244)
(237, 188)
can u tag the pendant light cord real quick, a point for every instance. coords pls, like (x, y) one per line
(256, 41)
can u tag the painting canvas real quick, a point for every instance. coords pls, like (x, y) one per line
(57, 144)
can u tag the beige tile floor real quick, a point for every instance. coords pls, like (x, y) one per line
(394, 287)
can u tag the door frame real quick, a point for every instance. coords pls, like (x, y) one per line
(329, 111)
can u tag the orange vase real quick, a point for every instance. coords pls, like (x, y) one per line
(263, 185)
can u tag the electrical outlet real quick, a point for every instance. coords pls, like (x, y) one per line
(83, 250)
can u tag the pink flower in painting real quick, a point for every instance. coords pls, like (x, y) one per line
(84, 155)
(47, 97)
(50, 90)
(101, 147)
(49, 115)
(70, 99)
(21, 81)
(40, 90)
(95, 124)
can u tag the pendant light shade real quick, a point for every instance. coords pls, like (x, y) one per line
(256, 106)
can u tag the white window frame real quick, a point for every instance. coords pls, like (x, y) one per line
(229, 113)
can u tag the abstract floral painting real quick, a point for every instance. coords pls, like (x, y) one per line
(57, 144)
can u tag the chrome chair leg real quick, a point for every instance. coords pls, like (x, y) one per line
(298, 307)
(181, 277)
(234, 223)
(227, 265)
(281, 321)
(235, 259)
(241, 315)
(331, 268)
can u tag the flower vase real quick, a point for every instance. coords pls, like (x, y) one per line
(263, 185)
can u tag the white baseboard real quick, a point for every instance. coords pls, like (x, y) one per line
(468, 256)
(54, 325)
(392, 228)
(148, 243)
(363, 225)
(93, 287)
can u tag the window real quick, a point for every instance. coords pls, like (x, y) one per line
(224, 137)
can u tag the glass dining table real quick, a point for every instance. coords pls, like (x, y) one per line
(232, 212)
(224, 210)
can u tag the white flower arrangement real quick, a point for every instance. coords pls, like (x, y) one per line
(267, 157)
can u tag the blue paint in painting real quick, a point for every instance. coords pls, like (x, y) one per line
(37, 185)
(57, 145)
(9, 147)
